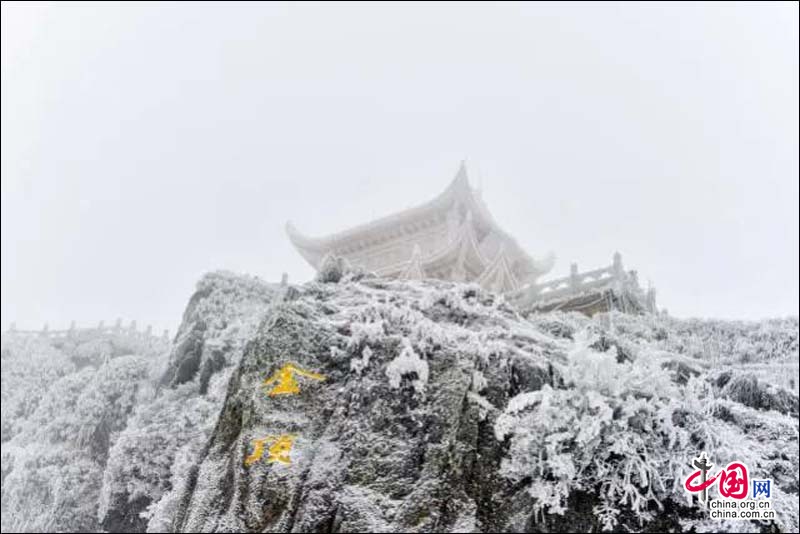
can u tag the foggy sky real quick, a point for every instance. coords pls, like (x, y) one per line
(143, 145)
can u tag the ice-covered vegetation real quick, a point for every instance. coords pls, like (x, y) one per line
(64, 401)
(443, 409)
(97, 427)
(622, 430)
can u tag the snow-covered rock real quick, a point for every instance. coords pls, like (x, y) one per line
(442, 409)
(464, 415)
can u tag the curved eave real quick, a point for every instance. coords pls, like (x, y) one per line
(458, 188)
(543, 265)
(304, 246)
(522, 264)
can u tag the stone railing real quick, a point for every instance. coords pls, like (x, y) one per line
(578, 283)
(101, 328)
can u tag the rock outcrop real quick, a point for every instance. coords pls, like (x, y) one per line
(407, 434)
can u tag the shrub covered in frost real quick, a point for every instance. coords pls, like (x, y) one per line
(53, 466)
(89, 440)
(333, 269)
(625, 432)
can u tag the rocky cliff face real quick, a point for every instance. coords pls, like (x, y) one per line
(147, 466)
(442, 409)
(394, 438)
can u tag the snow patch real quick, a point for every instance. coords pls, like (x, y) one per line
(408, 362)
(359, 364)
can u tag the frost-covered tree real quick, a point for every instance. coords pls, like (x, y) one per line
(57, 457)
(622, 432)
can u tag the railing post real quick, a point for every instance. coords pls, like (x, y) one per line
(617, 266)
(574, 282)
(634, 279)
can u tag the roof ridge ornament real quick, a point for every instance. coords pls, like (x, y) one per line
(462, 170)
(460, 183)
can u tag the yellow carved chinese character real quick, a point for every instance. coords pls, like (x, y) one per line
(278, 451)
(258, 451)
(287, 385)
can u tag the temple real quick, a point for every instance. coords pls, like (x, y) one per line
(452, 237)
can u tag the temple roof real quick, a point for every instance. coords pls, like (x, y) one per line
(458, 188)
(479, 239)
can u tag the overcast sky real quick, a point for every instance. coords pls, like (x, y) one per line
(143, 145)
